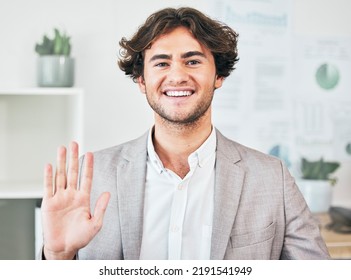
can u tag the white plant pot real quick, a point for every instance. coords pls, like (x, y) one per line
(55, 71)
(317, 193)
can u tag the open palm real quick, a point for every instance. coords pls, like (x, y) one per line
(68, 223)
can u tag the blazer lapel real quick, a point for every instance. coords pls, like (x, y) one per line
(131, 176)
(228, 187)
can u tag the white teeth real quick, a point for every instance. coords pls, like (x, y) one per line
(178, 93)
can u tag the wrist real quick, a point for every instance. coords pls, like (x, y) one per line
(53, 255)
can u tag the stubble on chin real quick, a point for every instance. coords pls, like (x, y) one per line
(181, 122)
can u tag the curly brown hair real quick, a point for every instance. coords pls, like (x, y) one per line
(219, 38)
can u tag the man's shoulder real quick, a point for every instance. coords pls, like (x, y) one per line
(128, 150)
(238, 151)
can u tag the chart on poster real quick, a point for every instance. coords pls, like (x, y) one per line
(323, 97)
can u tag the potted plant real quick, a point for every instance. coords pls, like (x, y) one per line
(55, 67)
(316, 184)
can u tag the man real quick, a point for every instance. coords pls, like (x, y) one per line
(182, 190)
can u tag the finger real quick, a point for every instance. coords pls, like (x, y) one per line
(100, 209)
(72, 176)
(87, 175)
(60, 176)
(48, 190)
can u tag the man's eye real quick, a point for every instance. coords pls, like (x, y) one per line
(193, 62)
(161, 64)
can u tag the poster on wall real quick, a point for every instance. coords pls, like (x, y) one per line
(288, 96)
(322, 71)
(254, 105)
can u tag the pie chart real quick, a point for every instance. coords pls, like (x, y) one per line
(327, 76)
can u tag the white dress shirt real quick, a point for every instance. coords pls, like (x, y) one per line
(178, 212)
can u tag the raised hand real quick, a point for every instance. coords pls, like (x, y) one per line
(68, 224)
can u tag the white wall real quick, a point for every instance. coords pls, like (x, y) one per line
(322, 17)
(115, 111)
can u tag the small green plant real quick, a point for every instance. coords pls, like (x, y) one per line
(319, 170)
(59, 45)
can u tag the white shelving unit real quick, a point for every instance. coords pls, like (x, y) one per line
(33, 123)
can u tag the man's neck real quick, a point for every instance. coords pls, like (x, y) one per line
(174, 143)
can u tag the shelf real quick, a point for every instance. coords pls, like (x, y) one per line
(41, 91)
(33, 123)
(15, 190)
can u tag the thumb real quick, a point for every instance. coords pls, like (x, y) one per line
(100, 208)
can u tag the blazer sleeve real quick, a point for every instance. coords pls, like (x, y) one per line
(302, 236)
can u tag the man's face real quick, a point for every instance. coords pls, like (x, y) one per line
(179, 77)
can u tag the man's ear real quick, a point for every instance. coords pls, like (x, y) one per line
(141, 84)
(218, 82)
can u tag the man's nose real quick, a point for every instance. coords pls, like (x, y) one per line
(178, 74)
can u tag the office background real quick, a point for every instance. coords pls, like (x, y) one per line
(114, 111)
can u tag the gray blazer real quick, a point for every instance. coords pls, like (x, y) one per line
(259, 212)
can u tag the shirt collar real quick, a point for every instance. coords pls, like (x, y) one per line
(201, 156)
(207, 149)
(152, 156)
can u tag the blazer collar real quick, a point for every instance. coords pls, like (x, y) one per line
(131, 175)
(228, 187)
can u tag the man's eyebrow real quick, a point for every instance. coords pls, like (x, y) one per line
(184, 55)
(192, 53)
(160, 56)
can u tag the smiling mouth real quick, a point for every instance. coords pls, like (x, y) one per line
(178, 93)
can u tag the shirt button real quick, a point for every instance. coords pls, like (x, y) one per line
(180, 187)
(175, 228)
